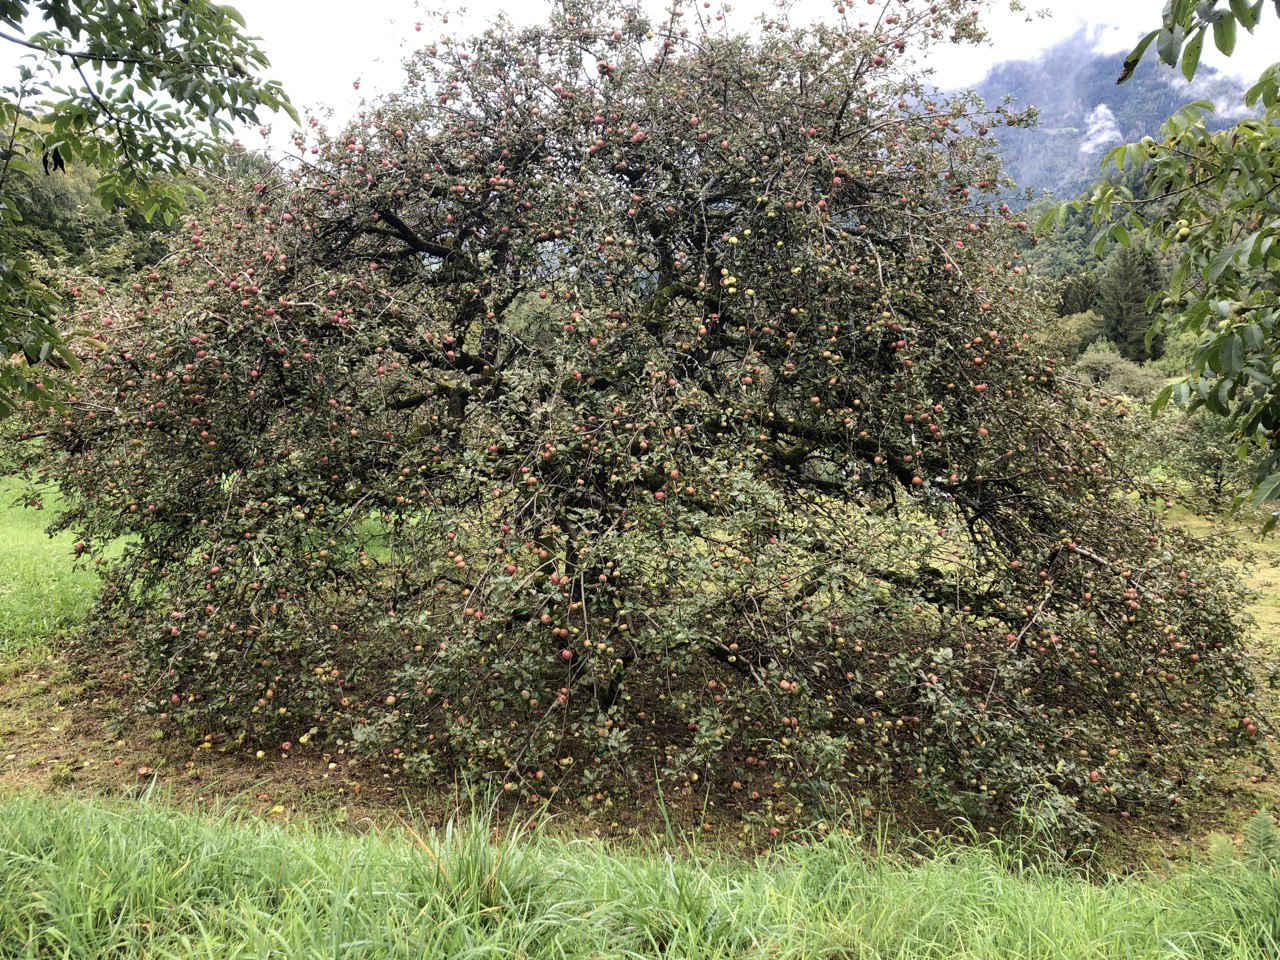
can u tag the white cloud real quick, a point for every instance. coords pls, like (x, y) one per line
(1102, 132)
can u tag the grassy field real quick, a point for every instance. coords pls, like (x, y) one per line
(91, 880)
(1262, 570)
(41, 594)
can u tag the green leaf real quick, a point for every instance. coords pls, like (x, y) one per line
(1254, 337)
(1244, 13)
(1191, 56)
(1182, 394)
(1135, 57)
(1045, 222)
(1233, 358)
(1266, 489)
(233, 13)
(1169, 44)
(1224, 35)
(1100, 243)
(1260, 377)
(1270, 91)
(1221, 261)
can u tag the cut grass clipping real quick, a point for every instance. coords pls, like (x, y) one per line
(89, 880)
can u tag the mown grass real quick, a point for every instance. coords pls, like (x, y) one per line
(1261, 574)
(41, 593)
(88, 880)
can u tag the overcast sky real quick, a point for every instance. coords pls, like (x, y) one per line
(320, 50)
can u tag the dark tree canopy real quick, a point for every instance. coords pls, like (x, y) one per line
(135, 91)
(1129, 279)
(625, 394)
(1079, 294)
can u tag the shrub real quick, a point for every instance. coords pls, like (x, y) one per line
(1069, 337)
(622, 395)
(1102, 366)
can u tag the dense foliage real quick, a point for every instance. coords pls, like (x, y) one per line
(1221, 219)
(68, 235)
(133, 90)
(1209, 202)
(629, 394)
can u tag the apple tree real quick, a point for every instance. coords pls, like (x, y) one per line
(628, 394)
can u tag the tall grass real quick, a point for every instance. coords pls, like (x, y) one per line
(83, 879)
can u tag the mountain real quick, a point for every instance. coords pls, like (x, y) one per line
(1083, 113)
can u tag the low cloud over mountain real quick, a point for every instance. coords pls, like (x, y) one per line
(1083, 113)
